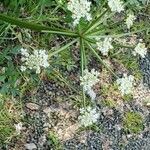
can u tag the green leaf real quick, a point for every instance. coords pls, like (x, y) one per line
(36, 27)
(2, 78)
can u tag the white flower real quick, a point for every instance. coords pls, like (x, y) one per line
(126, 84)
(140, 49)
(80, 9)
(88, 116)
(23, 68)
(91, 93)
(104, 46)
(18, 128)
(35, 61)
(129, 20)
(24, 52)
(116, 5)
(88, 80)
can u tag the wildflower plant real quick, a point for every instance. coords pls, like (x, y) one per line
(34, 61)
(94, 30)
(88, 116)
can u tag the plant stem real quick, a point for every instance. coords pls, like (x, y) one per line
(36, 27)
(63, 48)
(101, 61)
(82, 68)
(67, 33)
(123, 46)
(118, 35)
(94, 24)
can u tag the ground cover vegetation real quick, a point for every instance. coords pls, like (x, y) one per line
(79, 61)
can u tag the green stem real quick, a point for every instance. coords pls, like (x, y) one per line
(63, 48)
(82, 67)
(123, 46)
(94, 24)
(60, 32)
(35, 27)
(99, 58)
(118, 35)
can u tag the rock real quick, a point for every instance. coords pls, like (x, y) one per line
(32, 106)
(30, 146)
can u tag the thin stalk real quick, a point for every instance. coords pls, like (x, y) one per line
(36, 27)
(84, 58)
(101, 61)
(118, 35)
(123, 46)
(104, 30)
(63, 48)
(82, 67)
(99, 9)
(60, 32)
(93, 41)
(95, 23)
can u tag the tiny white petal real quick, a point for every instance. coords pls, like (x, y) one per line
(92, 94)
(88, 80)
(34, 61)
(88, 116)
(126, 84)
(18, 128)
(129, 20)
(80, 9)
(116, 5)
(23, 68)
(104, 46)
(141, 50)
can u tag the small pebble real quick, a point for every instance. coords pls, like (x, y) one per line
(32, 106)
(30, 146)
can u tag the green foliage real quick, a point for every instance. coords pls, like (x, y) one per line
(7, 120)
(9, 75)
(133, 122)
(65, 59)
(54, 141)
(110, 103)
(39, 23)
(128, 97)
(94, 127)
(129, 62)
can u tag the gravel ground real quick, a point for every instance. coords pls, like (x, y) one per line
(145, 67)
(62, 116)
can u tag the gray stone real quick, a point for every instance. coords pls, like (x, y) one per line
(30, 146)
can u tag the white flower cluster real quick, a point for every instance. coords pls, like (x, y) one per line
(140, 49)
(18, 128)
(34, 61)
(105, 45)
(88, 80)
(80, 9)
(116, 5)
(88, 116)
(126, 84)
(129, 20)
